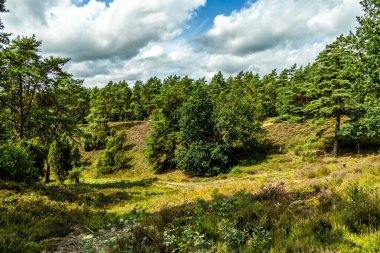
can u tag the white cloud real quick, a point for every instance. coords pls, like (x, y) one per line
(268, 24)
(155, 51)
(95, 31)
(134, 39)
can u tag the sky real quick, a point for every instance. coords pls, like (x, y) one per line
(137, 39)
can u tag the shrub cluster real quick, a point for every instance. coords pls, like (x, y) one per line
(62, 158)
(17, 163)
(95, 141)
(115, 157)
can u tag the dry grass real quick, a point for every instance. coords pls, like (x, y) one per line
(288, 168)
(175, 188)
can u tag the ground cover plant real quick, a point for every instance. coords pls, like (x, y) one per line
(283, 162)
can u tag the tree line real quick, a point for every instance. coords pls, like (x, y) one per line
(201, 127)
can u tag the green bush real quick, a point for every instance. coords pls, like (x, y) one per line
(16, 164)
(75, 174)
(308, 156)
(361, 212)
(199, 159)
(61, 158)
(29, 220)
(95, 141)
(115, 157)
(38, 154)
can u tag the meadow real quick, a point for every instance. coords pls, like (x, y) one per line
(297, 198)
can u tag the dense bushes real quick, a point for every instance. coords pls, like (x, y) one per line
(114, 158)
(95, 141)
(200, 159)
(200, 150)
(62, 158)
(17, 164)
(205, 129)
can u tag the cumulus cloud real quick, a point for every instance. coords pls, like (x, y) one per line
(134, 39)
(95, 31)
(271, 23)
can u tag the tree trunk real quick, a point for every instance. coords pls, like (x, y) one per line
(47, 176)
(358, 147)
(21, 108)
(336, 140)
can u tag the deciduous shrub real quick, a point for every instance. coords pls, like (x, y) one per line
(200, 159)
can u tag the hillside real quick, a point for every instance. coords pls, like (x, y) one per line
(298, 176)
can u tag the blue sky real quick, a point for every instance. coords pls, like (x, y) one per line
(136, 39)
(84, 2)
(204, 16)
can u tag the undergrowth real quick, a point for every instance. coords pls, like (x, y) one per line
(272, 220)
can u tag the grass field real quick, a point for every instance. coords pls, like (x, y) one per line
(297, 199)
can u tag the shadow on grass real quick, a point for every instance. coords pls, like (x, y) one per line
(93, 195)
(97, 195)
(29, 221)
(258, 154)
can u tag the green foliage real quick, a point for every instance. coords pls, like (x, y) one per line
(38, 154)
(197, 120)
(111, 103)
(268, 94)
(61, 158)
(333, 92)
(16, 164)
(293, 86)
(115, 157)
(95, 141)
(29, 219)
(199, 152)
(163, 140)
(75, 155)
(36, 95)
(367, 43)
(237, 112)
(269, 221)
(75, 174)
(202, 159)
(4, 37)
(361, 212)
(161, 145)
(199, 125)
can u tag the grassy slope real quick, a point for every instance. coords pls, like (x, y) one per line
(298, 165)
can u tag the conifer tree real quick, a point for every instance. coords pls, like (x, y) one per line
(163, 140)
(332, 91)
(368, 46)
(59, 159)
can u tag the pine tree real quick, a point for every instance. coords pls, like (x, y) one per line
(34, 91)
(368, 45)
(269, 92)
(333, 85)
(4, 37)
(163, 140)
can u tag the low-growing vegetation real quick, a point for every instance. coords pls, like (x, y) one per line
(283, 162)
